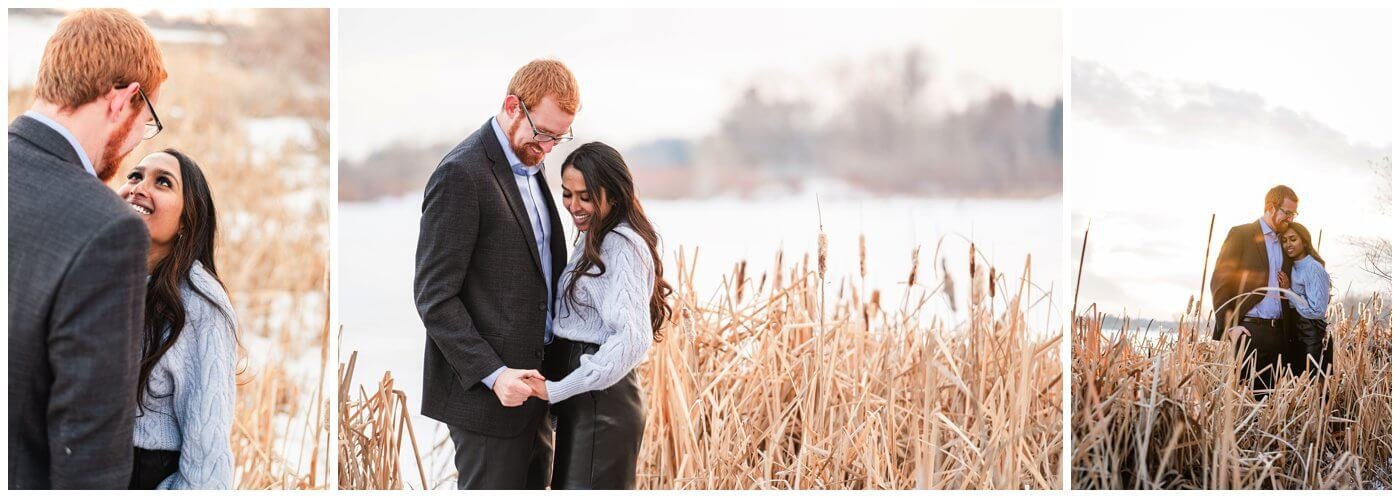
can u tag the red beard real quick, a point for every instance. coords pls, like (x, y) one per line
(529, 153)
(111, 152)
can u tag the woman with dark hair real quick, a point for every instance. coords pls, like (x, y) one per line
(185, 393)
(611, 306)
(1311, 286)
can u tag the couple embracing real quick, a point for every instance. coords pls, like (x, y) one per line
(1271, 290)
(122, 339)
(531, 351)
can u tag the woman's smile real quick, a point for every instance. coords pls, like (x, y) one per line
(581, 220)
(141, 205)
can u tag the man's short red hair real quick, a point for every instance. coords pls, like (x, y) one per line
(546, 78)
(94, 51)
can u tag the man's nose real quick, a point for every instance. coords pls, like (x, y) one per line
(547, 146)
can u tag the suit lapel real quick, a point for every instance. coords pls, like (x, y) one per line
(46, 139)
(505, 179)
(556, 231)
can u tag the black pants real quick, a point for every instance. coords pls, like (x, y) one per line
(1266, 345)
(151, 467)
(519, 462)
(599, 433)
(1314, 348)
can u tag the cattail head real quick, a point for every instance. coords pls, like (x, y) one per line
(992, 282)
(821, 253)
(739, 280)
(972, 261)
(914, 268)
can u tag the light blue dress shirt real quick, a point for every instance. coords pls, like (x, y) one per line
(536, 208)
(72, 140)
(1312, 286)
(1270, 307)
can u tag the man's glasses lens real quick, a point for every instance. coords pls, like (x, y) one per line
(539, 135)
(542, 137)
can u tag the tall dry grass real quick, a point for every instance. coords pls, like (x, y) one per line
(780, 381)
(1168, 411)
(272, 249)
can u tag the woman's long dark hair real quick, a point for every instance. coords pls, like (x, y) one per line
(194, 241)
(604, 171)
(1306, 237)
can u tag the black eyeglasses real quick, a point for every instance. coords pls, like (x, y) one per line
(153, 127)
(539, 135)
(1290, 214)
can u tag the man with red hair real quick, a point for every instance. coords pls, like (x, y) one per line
(1252, 261)
(78, 255)
(490, 249)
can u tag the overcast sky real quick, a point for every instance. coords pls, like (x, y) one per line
(1178, 115)
(431, 75)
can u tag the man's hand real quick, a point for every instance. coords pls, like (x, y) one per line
(513, 386)
(537, 389)
(1236, 332)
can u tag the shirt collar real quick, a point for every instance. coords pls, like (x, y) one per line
(68, 135)
(515, 165)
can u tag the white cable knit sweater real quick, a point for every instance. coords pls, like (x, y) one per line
(197, 373)
(612, 312)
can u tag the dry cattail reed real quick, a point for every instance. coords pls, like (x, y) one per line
(757, 394)
(1162, 410)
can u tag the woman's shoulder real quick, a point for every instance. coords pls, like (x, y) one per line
(205, 298)
(623, 236)
(1309, 264)
(624, 245)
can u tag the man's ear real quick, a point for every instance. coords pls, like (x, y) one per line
(510, 105)
(118, 101)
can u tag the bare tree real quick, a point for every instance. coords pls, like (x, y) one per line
(1376, 250)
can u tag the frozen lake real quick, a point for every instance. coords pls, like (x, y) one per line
(378, 240)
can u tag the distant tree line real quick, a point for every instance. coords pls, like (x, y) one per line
(884, 137)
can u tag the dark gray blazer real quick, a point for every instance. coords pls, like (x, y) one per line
(479, 287)
(77, 292)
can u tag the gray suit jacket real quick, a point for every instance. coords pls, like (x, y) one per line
(479, 287)
(77, 290)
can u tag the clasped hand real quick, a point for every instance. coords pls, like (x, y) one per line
(513, 387)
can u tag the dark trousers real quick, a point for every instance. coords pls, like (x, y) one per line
(151, 467)
(599, 433)
(519, 462)
(1265, 346)
(1313, 348)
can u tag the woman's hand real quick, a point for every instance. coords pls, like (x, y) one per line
(1283, 280)
(1234, 333)
(537, 388)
